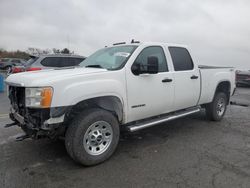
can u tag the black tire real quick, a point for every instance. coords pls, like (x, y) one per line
(213, 111)
(77, 130)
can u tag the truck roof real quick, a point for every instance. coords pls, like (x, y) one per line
(57, 55)
(149, 44)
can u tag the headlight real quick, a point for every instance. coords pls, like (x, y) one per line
(38, 97)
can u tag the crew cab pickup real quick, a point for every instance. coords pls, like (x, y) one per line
(126, 86)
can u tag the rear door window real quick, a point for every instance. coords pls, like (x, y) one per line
(51, 62)
(181, 59)
(71, 61)
(61, 61)
(77, 61)
(66, 62)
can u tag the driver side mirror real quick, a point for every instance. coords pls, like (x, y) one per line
(136, 69)
(152, 65)
(150, 68)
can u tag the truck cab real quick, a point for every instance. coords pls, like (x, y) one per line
(175, 84)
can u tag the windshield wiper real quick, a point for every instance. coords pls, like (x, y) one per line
(95, 66)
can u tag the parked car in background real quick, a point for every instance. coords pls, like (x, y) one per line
(243, 78)
(48, 62)
(8, 63)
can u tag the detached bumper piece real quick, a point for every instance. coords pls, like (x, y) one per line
(19, 138)
(23, 137)
(10, 125)
(38, 124)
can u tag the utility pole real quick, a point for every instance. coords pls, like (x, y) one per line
(68, 41)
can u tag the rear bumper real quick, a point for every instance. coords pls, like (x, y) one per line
(243, 82)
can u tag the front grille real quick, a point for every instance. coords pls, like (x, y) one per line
(32, 116)
(17, 99)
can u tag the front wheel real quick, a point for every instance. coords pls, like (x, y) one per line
(92, 137)
(216, 110)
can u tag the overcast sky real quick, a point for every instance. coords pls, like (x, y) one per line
(216, 31)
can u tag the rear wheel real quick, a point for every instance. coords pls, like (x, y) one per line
(92, 137)
(217, 108)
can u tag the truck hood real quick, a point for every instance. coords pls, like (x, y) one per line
(45, 77)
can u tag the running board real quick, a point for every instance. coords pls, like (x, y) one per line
(150, 123)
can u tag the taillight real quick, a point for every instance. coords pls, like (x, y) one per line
(33, 69)
(17, 69)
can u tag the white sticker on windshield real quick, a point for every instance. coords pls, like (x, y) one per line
(122, 54)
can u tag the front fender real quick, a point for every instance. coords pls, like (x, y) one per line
(80, 91)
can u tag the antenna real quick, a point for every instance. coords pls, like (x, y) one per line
(68, 41)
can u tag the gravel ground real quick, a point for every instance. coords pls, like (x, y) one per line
(189, 152)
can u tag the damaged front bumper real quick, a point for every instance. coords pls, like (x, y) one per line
(37, 123)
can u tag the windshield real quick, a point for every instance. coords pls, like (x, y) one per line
(111, 58)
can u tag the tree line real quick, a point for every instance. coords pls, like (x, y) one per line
(32, 51)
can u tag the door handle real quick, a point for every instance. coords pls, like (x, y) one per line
(167, 80)
(194, 77)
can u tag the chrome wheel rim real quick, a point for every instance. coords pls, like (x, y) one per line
(98, 138)
(221, 106)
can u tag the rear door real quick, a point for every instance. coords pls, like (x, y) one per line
(187, 78)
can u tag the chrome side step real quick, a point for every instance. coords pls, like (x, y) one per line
(150, 123)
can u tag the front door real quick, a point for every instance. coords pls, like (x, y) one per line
(150, 94)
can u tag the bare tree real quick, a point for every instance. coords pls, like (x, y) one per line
(65, 51)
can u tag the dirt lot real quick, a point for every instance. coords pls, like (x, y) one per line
(189, 152)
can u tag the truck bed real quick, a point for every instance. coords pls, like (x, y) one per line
(210, 78)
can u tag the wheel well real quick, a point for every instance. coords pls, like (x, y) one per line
(224, 87)
(109, 103)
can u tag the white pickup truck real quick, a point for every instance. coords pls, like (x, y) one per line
(131, 86)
